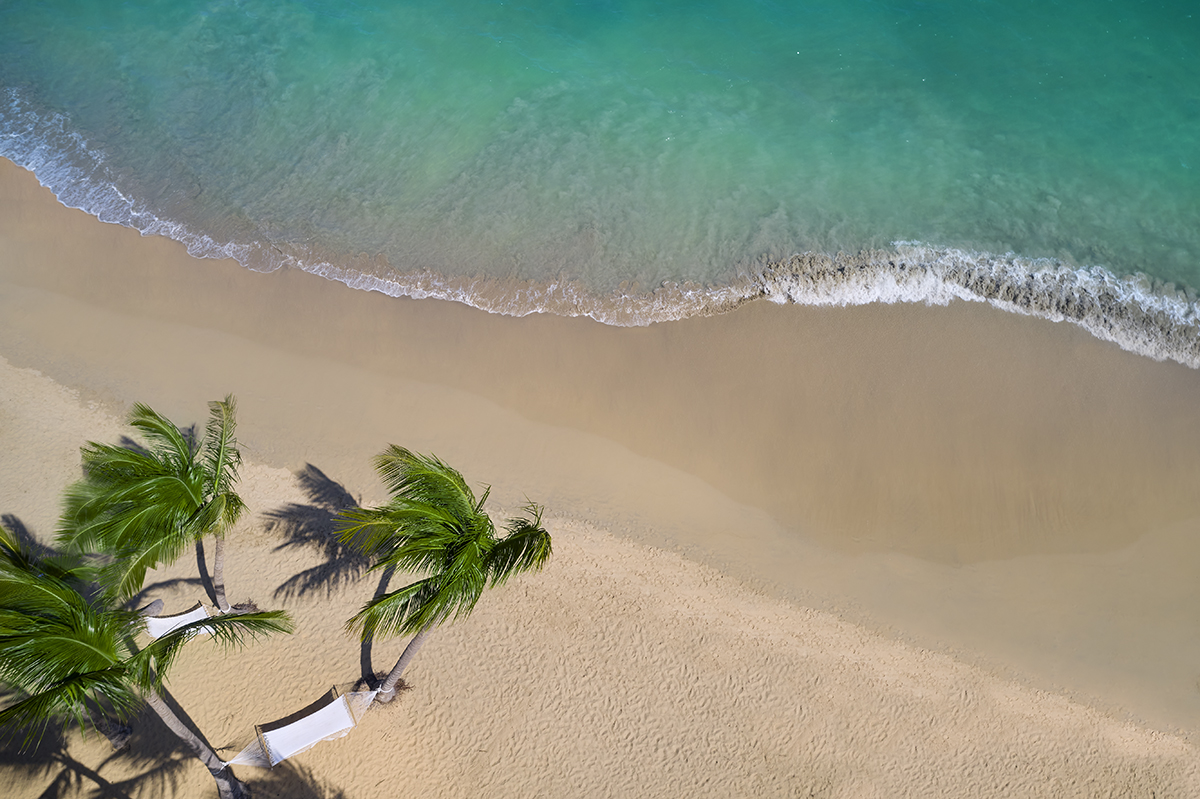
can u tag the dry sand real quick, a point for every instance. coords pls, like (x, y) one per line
(883, 551)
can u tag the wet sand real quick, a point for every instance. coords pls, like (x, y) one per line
(1007, 496)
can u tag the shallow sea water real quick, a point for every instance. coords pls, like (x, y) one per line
(496, 153)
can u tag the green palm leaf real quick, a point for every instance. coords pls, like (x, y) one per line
(426, 480)
(67, 700)
(221, 460)
(55, 646)
(433, 524)
(166, 439)
(394, 613)
(110, 511)
(123, 577)
(37, 585)
(526, 547)
(144, 507)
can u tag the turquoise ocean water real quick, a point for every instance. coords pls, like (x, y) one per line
(575, 157)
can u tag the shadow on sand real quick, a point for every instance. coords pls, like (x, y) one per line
(26, 539)
(313, 526)
(48, 761)
(289, 781)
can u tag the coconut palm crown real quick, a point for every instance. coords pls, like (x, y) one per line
(145, 506)
(434, 525)
(66, 653)
(54, 644)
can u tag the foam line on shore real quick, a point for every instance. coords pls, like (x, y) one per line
(1136, 312)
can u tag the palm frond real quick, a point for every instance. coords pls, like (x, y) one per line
(526, 547)
(80, 525)
(44, 653)
(395, 613)
(31, 598)
(107, 464)
(66, 701)
(14, 557)
(107, 518)
(54, 645)
(425, 479)
(487, 492)
(33, 584)
(217, 515)
(123, 577)
(377, 532)
(466, 569)
(165, 438)
(49, 630)
(422, 551)
(220, 450)
(454, 599)
(368, 531)
(138, 515)
(237, 629)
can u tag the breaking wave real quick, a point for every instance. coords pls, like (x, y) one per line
(1136, 313)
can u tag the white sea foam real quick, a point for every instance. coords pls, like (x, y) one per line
(65, 163)
(1136, 313)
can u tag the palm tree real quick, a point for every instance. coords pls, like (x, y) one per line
(65, 652)
(433, 524)
(145, 506)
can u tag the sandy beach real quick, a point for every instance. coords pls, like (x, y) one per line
(841, 552)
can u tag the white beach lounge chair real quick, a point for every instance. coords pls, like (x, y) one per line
(158, 626)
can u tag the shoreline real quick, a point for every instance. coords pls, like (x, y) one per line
(1139, 313)
(1003, 489)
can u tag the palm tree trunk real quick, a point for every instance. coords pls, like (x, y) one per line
(364, 652)
(228, 786)
(219, 574)
(387, 691)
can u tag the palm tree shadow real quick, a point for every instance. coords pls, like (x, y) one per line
(25, 538)
(163, 753)
(206, 579)
(369, 679)
(50, 760)
(313, 526)
(290, 781)
(138, 599)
